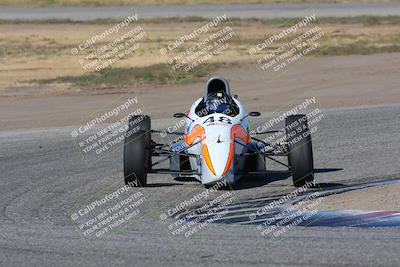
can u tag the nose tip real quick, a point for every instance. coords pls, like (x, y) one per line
(219, 173)
(216, 157)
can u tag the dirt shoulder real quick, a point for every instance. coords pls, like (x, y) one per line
(376, 198)
(337, 81)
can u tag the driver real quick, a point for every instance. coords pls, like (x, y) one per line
(217, 103)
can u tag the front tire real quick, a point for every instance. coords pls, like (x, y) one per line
(137, 151)
(300, 154)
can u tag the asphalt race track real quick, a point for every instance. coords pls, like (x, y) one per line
(43, 179)
(251, 211)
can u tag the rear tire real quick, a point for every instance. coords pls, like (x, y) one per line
(137, 151)
(300, 154)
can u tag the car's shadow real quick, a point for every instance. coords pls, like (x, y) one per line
(327, 170)
(260, 180)
(257, 180)
(185, 179)
(162, 184)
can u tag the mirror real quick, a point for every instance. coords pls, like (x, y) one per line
(179, 115)
(254, 114)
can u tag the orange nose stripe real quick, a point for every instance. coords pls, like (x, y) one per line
(237, 131)
(230, 157)
(207, 158)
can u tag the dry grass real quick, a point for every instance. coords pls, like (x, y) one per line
(275, 22)
(43, 51)
(167, 2)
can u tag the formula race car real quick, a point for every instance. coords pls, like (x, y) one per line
(216, 144)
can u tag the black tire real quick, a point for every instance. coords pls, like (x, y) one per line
(300, 154)
(185, 163)
(137, 151)
(255, 163)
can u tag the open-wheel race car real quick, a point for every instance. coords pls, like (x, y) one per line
(216, 144)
